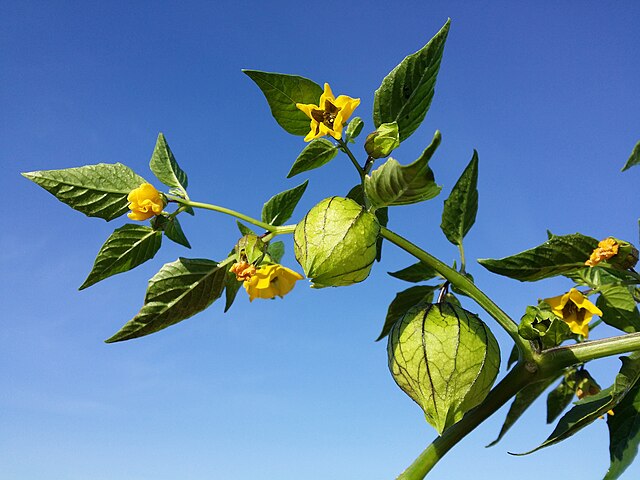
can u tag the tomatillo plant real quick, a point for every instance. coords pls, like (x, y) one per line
(443, 356)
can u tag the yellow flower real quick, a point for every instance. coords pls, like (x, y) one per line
(144, 202)
(575, 310)
(330, 116)
(270, 281)
(607, 248)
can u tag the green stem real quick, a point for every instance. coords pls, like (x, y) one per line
(345, 149)
(463, 283)
(277, 230)
(512, 383)
(556, 358)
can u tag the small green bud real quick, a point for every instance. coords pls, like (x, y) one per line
(335, 243)
(445, 358)
(627, 256)
(383, 141)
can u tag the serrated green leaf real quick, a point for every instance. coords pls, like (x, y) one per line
(163, 164)
(418, 272)
(560, 255)
(353, 129)
(395, 184)
(404, 301)
(624, 433)
(406, 92)
(280, 207)
(634, 158)
(276, 251)
(282, 93)
(460, 209)
(619, 308)
(316, 154)
(232, 285)
(587, 410)
(126, 248)
(178, 291)
(524, 399)
(560, 397)
(96, 190)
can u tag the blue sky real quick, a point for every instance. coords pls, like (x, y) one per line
(547, 94)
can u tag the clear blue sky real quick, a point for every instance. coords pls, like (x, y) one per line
(294, 388)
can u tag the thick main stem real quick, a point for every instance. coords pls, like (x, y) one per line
(511, 384)
(556, 358)
(463, 283)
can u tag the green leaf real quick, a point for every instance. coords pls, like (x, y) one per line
(174, 232)
(126, 248)
(353, 129)
(619, 308)
(460, 209)
(524, 399)
(395, 184)
(560, 397)
(624, 433)
(178, 291)
(402, 302)
(406, 92)
(590, 408)
(634, 158)
(316, 154)
(282, 93)
(232, 285)
(560, 255)
(276, 251)
(244, 230)
(418, 272)
(96, 190)
(163, 164)
(279, 208)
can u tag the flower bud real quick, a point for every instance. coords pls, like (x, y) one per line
(251, 249)
(445, 358)
(335, 243)
(383, 141)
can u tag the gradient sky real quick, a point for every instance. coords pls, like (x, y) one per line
(293, 388)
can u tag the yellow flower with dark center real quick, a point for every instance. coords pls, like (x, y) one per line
(243, 270)
(144, 202)
(330, 116)
(607, 248)
(270, 281)
(575, 310)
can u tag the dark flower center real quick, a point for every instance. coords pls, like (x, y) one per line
(326, 116)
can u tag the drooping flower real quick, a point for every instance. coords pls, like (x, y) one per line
(144, 202)
(243, 270)
(330, 116)
(607, 248)
(270, 281)
(575, 310)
